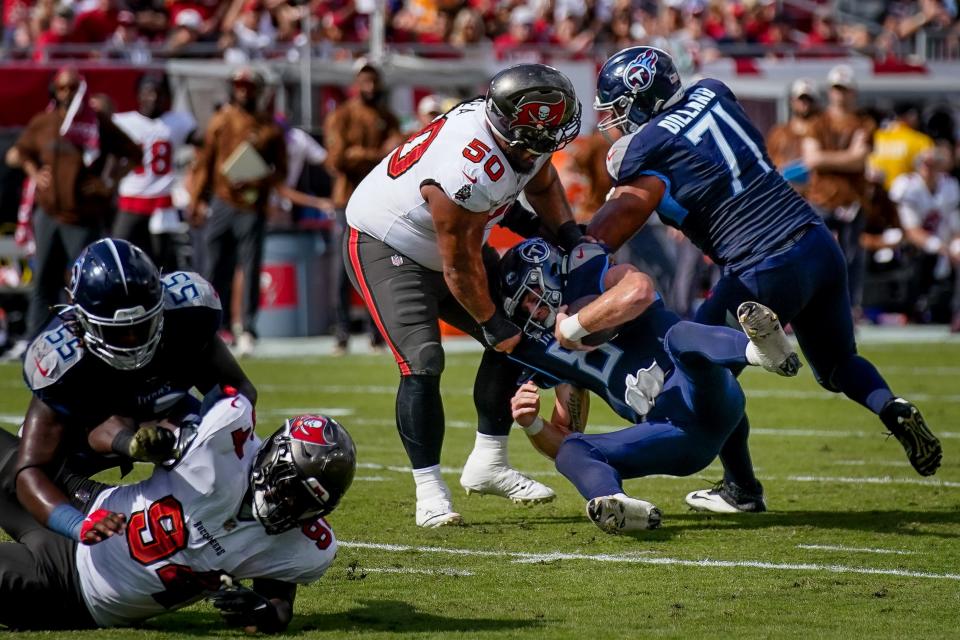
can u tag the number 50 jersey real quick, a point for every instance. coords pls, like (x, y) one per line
(458, 153)
(183, 530)
(721, 188)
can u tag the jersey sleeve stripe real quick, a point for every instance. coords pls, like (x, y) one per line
(668, 206)
(371, 306)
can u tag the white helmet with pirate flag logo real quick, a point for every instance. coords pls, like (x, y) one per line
(301, 472)
(533, 107)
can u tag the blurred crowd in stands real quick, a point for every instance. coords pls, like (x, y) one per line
(695, 30)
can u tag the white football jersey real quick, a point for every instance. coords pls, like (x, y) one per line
(158, 139)
(458, 152)
(937, 213)
(183, 531)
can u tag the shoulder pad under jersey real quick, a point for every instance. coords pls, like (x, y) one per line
(52, 353)
(188, 289)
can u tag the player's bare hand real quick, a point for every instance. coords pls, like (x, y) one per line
(508, 345)
(569, 345)
(525, 404)
(43, 178)
(197, 214)
(100, 525)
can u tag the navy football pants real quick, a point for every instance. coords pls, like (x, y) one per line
(702, 399)
(806, 285)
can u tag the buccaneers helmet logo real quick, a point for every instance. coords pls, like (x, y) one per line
(539, 115)
(639, 74)
(309, 429)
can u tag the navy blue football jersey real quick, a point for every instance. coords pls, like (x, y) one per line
(604, 371)
(721, 188)
(84, 390)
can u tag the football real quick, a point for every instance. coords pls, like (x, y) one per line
(592, 339)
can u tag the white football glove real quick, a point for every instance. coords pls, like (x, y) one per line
(643, 389)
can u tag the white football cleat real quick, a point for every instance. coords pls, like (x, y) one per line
(437, 513)
(727, 497)
(503, 481)
(622, 514)
(769, 345)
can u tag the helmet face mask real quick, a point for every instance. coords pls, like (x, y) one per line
(126, 342)
(533, 107)
(531, 286)
(634, 85)
(117, 297)
(301, 472)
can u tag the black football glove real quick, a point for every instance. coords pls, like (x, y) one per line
(243, 607)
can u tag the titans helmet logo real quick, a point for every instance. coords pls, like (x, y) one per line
(539, 115)
(309, 429)
(639, 74)
(535, 251)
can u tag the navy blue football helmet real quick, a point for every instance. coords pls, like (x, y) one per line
(531, 285)
(301, 472)
(634, 85)
(116, 294)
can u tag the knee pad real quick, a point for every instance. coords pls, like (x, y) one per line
(429, 361)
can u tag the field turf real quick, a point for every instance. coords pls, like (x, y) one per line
(856, 543)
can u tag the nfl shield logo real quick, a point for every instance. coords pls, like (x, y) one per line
(396, 260)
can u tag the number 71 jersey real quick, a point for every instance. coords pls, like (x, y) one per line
(183, 530)
(456, 152)
(721, 189)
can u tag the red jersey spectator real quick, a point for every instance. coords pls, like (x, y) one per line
(97, 25)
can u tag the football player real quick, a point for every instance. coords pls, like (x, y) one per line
(671, 378)
(694, 157)
(145, 204)
(127, 350)
(415, 251)
(227, 507)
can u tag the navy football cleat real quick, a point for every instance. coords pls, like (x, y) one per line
(906, 424)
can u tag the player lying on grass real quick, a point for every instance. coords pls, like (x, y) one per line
(229, 507)
(125, 353)
(670, 377)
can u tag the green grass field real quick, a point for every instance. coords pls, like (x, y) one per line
(855, 545)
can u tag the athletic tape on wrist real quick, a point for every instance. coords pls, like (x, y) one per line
(571, 329)
(535, 427)
(66, 520)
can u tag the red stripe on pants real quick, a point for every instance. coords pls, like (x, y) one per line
(368, 300)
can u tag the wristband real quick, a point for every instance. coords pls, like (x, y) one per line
(497, 329)
(66, 520)
(932, 244)
(571, 329)
(121, 442)
(535, 427)
(569, 235)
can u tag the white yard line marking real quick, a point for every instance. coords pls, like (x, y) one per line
(372, 479)
(428, 572)
(861, 463)
(528, 557)
(839, 547)
(927, 482)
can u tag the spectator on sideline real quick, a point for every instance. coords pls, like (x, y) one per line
(234, 212)
(928, 201)
(72, 193)
(784, 141)
(897, 145)
(359, 133)
(836, 153)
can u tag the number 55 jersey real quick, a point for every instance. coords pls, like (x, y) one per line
(184, 529)
(456, 152)
(721, 188)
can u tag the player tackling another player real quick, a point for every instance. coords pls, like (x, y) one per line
(694, 157)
